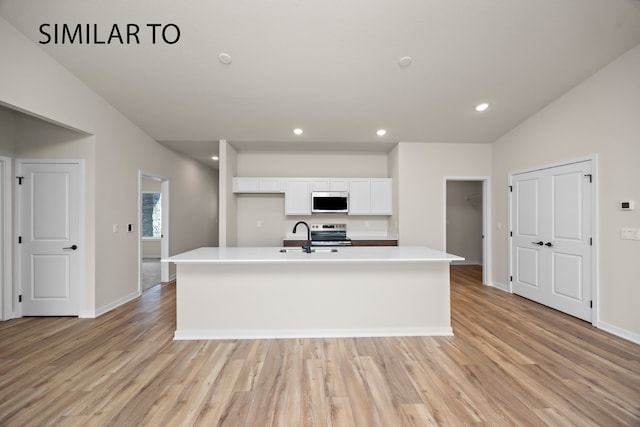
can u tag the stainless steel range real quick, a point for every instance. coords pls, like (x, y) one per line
(329, 235)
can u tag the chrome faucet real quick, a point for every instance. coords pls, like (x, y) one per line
(307, 247)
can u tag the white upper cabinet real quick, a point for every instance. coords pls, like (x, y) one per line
(367, 196)
(297, 196)
(381, 196)
(359, 196)
(258, 185)
(330, 184)
(371, 196)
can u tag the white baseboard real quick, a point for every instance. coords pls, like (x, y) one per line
(622, 333)
(280, 334)
(499, 286)
(107, 308)
(87, 314)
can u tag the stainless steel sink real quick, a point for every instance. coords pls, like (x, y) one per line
(284, 250)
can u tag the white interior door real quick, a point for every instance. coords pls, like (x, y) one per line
(528, 242)
(551, 246)
(49, 233)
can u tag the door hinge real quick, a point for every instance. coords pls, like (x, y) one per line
(590, 241)
(511, 189)
(511, 278)
(511, 233)
(19, 239)
(19, 298)
(20, 178)
(590, 177)
(591, 304)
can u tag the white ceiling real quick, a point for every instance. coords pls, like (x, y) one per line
(331, 66)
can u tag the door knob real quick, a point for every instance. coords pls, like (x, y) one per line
(540, 243)
(549, 244)
(71, 248)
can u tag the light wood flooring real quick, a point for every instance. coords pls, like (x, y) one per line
(511, 362)
(150, 275)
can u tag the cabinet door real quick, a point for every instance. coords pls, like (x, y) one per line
(330, 184)
(270, 185)
(245, 185)
(359, 196)
(297, 197)
(339, 184)
(251, 184)
(381, 196)
(321, 184)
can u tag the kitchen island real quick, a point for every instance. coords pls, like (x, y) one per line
(270, 292)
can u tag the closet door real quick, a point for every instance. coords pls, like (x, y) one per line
(551, 246)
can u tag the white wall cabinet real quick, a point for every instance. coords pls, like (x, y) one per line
(258, 185)
(381, 196)
(297, 196)
(370, 196)
(367, 196)
(359, 196)
(330, 184)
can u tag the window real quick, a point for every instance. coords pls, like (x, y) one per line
(151, 215)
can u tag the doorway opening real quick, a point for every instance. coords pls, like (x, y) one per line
(153, 230)
(466, 218)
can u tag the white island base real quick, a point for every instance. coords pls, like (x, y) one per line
(249, 293)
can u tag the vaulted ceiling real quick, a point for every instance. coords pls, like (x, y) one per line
(333, 68)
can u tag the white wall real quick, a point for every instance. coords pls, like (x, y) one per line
(32, 82)
(260, 218)
(600, 116)
(229, 210)
(393, 164)
(464, 220)
(313, 163)
(7, 132)
(422, 168)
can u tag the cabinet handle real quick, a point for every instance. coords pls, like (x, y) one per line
(540, 243)
(548, 244)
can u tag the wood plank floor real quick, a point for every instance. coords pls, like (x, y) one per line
(511, 362)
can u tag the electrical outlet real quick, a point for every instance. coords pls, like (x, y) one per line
(630, 233)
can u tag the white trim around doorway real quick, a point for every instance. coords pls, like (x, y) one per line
(164, 241)
(6, 282)
(486, 221)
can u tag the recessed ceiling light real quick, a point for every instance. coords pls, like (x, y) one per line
(298, 131)
(381, 132)
(405, 61)
(482, 107)
(215, 158)
(225, 58)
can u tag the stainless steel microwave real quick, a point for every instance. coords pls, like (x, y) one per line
(329, 201)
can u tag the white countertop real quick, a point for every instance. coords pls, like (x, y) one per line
(352, 254)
